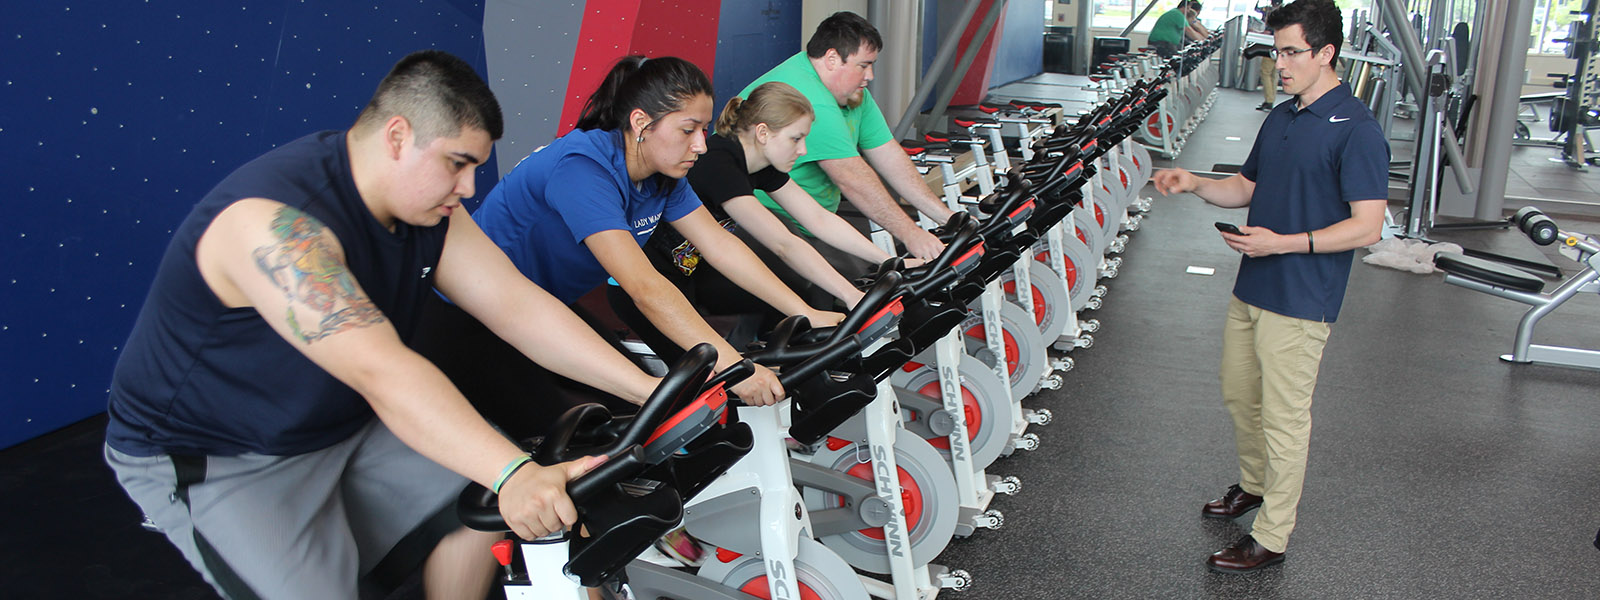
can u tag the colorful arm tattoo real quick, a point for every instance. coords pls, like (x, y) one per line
(307, 269)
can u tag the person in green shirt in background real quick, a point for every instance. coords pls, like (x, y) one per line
(1174, 25)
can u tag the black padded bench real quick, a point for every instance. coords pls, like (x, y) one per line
(1488, 272)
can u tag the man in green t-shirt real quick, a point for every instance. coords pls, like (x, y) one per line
(1169, 32)
(850, 146)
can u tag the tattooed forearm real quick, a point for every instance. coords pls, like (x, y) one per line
(308, 271)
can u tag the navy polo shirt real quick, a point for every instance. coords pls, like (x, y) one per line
(1308, 166)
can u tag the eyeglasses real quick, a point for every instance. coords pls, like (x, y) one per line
(1277, 54)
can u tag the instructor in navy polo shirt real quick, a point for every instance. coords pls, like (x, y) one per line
(1316, 184)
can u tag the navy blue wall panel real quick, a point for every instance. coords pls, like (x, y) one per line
(753, 37)
(119, 116)
(1019, 52)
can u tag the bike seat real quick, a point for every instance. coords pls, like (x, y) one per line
(957, 142)
(915, 147)
(1490, 272)
(1035, 105)
(975, 122)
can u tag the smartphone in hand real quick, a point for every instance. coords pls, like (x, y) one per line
(1228, 228)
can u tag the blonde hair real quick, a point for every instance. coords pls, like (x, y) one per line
(775, 103)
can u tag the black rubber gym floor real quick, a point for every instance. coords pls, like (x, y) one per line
(1436, 470)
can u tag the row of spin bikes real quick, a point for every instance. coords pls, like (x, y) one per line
(877, 459)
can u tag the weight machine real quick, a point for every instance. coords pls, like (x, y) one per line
(1573, 111)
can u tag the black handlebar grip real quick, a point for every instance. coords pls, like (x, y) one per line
(886, 285)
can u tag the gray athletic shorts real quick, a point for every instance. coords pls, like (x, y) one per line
(304, 526)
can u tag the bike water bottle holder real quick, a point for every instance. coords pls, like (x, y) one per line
(822, 403)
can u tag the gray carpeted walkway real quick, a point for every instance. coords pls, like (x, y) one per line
(1436, 470)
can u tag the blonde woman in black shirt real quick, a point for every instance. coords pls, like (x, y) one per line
(757, 141)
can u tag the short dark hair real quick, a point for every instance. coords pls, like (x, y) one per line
(656, 86)
(1319, 20)
(438, 94)
(843, 32)
(1193, 3)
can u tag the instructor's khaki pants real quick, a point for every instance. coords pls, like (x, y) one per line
(1269, 79)
(1269, 369)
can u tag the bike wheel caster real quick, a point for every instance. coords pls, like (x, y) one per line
(1089, 325)
(1028, 441)
(1098, 292)
(1109, 273)
(990, 519)
(1084, 341)
(1114, 263)
(1040, 416)
(957, 580)
(1053, 382)
(1063, 364)
(1008, 485)
(1092, 303)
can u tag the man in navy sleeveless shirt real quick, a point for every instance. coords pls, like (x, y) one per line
(242, 408)
(1316, 184)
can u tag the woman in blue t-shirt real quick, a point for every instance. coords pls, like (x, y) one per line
(578, 210)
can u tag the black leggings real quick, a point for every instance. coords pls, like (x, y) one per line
(509, 390)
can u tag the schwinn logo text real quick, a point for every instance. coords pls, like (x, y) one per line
(893, 536)
(780, 579)
(953, 405)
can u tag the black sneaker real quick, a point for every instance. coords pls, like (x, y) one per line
(1265, 106)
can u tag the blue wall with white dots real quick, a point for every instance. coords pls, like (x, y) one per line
(118, 116)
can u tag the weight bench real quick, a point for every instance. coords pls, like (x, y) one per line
(1515, 284)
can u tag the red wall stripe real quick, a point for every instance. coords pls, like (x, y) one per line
(616, 28)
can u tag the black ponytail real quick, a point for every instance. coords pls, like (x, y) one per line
(657, 86)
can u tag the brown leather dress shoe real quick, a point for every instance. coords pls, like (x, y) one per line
(1231, 505)
(1243, 556)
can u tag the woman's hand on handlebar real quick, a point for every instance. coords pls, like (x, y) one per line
(823, 318)
(534, 501)
(761, 389)
(916, 262)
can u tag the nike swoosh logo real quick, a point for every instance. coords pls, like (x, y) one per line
(1337, 119)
